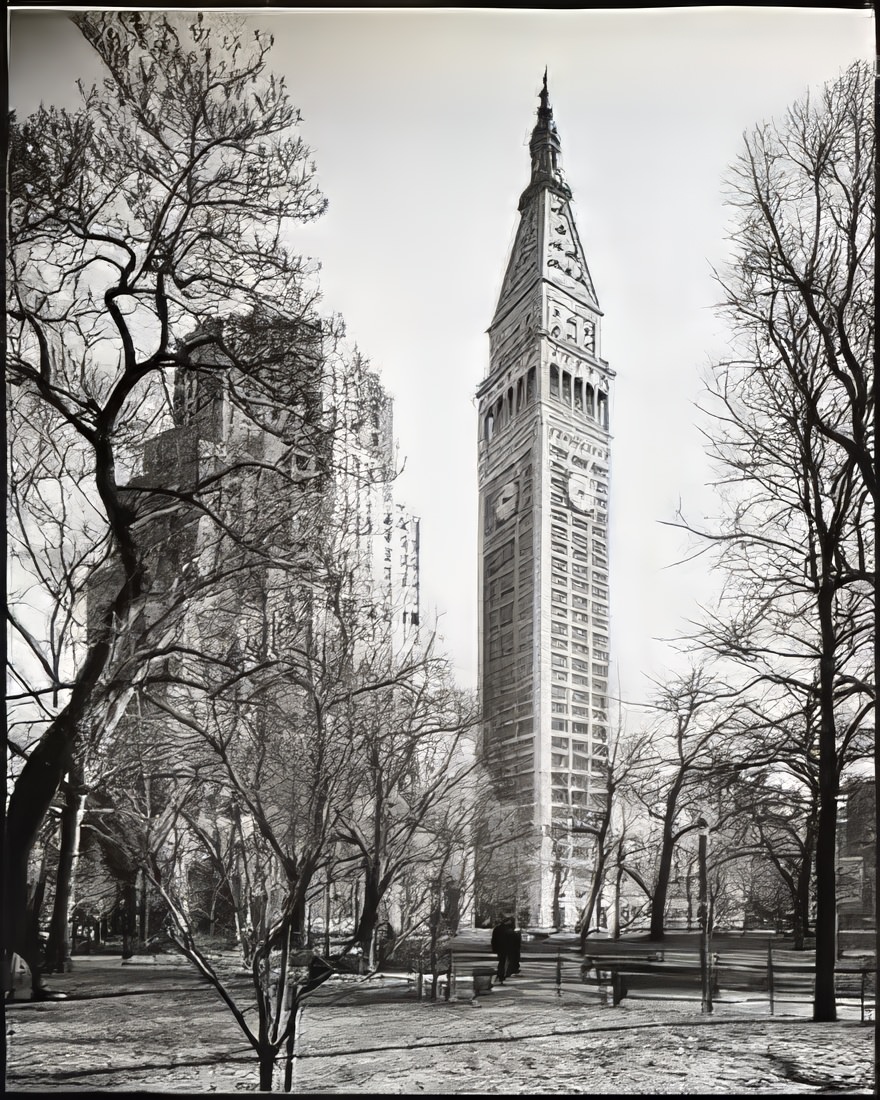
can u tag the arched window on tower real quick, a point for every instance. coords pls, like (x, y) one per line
(602, 409)
(566, 388)
(488, 426)
(589, 400)
(554, 380)
(579, 395)
(530, 386)
(520, 395)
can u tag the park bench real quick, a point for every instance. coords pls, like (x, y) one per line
(855, 982)
(614, 968)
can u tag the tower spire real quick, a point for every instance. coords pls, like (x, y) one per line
(545, 110)
(546, 150)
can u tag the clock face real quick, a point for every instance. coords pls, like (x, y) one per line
(579, 492)
(506, 501)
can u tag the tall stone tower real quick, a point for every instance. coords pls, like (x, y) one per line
(543, 588)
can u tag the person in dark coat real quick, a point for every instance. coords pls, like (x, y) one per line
(514, 948)
(506, 942)
(501, 945)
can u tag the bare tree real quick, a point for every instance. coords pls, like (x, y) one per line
(674, 782)
(626, 759)
(412, 736)
(256, 758)
(792, 424)
(134, 223)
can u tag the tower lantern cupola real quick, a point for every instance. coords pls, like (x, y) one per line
(546, 150)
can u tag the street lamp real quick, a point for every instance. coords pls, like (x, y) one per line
(705, 918)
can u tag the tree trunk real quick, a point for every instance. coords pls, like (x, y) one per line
(595, 892)
(557, 890)
(29, 803)
(58, 948)
(327, 919)
(267, 1056)
(369, 915)
(658, 900)
(144, 907)
(39, 779)
(129, 916)
(689, 891)
(30, 941)
(824, 1002)
(802, 890)
(434, 926)
(290, 1052)
(618, 880)
(800, 898)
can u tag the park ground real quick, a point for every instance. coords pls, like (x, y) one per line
(152, 1025)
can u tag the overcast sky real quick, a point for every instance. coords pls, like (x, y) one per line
(419, 121)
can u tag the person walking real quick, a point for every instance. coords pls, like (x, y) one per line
(514, 948)
(501, 944)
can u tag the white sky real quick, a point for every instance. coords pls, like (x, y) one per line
(419, 120)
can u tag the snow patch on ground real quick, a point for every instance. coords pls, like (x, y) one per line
(161, 1029)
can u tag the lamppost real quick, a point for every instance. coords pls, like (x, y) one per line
(705, 921)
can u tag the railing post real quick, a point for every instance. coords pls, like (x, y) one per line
(770, 973)
(419, 980)
(862, 997)
(450, 978)
(558, 973)
(705, 922)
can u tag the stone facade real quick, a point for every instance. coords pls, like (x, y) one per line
(353, 452)
(544, 450)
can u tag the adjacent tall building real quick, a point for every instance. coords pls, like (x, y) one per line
(544, 450)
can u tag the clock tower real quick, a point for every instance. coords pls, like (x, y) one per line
(543, 585)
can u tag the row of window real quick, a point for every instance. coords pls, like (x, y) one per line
(600, 714)
(569, 390)
(579, 395)
(505, 408)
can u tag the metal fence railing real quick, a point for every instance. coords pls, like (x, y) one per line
(778, 976)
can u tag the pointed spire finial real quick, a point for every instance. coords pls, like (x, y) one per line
(545, 111)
